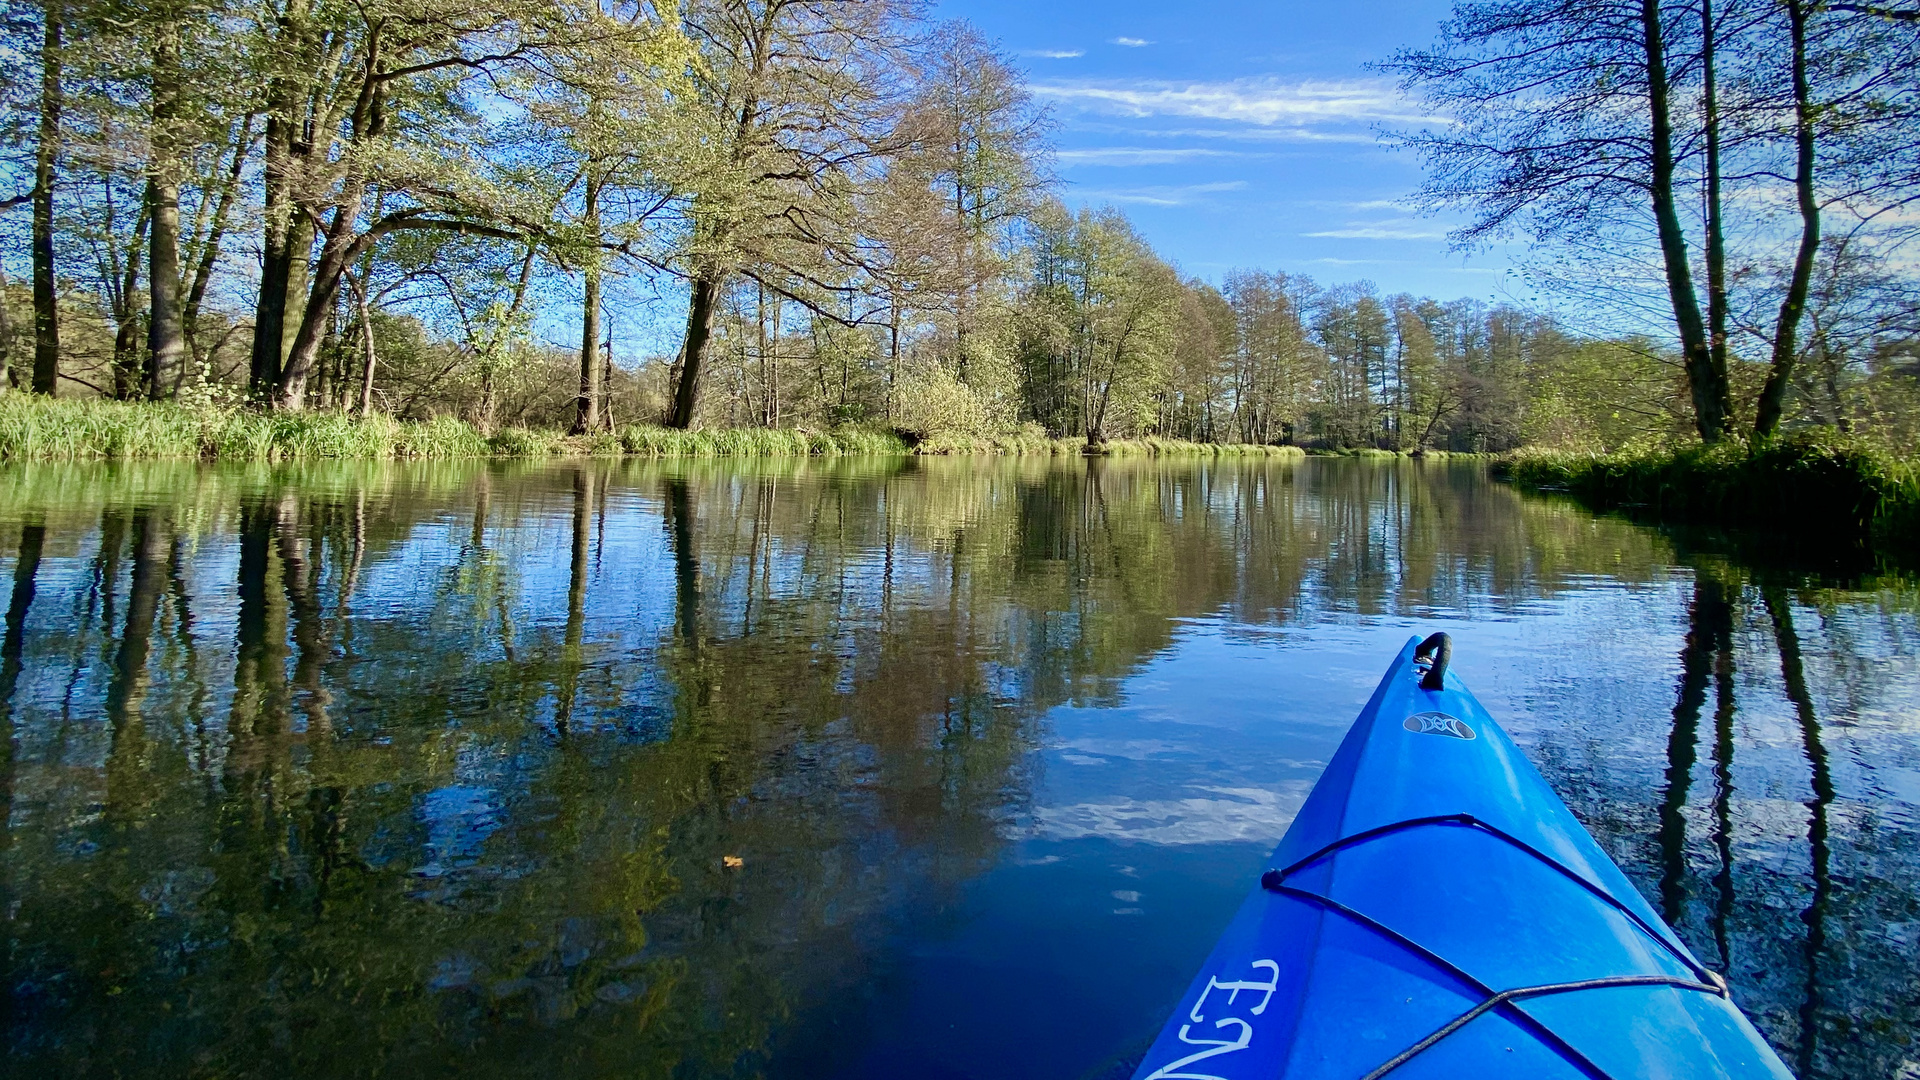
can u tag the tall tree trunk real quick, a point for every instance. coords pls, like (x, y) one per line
(368, 356)
(488, 400)
(46, 313)
(606, 380)
(322, 296)
(1716, 231)
(287, 233)
(166, 341)
(586, 414)
(280, 233)
(126, 339)
(772, 368)
(207, 249)
(893, 354)
(6, 339)
(338, 251)
(702, 301)
(1707, 382)
(1786, 332)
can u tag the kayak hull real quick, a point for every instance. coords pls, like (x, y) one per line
(1435, 910)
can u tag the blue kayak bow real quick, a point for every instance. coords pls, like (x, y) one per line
(1435, 911)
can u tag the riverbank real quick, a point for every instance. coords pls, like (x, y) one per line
(74, 429)
(1814, 484)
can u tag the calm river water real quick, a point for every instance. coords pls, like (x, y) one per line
(868, 769)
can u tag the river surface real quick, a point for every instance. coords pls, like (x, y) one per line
(858, 768)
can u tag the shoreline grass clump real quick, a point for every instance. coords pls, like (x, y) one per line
(1027, 443)
(69, 429)
(1816, 482)
(36, 428)
(652, 441)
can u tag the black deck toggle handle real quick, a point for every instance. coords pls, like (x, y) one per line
(1436, 651)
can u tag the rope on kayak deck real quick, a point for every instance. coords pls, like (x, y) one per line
(1273, 878)
(1506, 996)
(1510, 1010)
(1505, 1001)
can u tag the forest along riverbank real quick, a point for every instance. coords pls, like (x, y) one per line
(68, 429)
(1814, 485)
(440, 764)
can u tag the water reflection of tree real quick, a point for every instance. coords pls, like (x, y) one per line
(1832, 1001)
(1793, 673)
(466, 800)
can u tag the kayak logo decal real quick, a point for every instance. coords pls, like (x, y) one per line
(1437, 723)
(1215, 1047)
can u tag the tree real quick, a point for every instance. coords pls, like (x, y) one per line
(420, 60)
(1100, 310)
(1566, 127)
(1278, 366)
(609, 112)
(1591, 125)
(46, 311)
(978, 142)
(1838, 93)
(796, 103)
(1201, 366)
(1352, 329)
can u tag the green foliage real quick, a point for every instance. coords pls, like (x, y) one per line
(1817, 482)
(934, 404)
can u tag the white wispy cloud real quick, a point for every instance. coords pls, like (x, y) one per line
(1141, 155)
(1054, 54)
(1291, 133)
(1400, 229)
(1164, 196)
(1266, 102)
(1131, 42)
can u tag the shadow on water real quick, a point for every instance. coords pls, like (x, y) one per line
(686, 768)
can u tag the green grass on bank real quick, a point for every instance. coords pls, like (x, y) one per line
(1028, 444)
(40, 429)
(64, 429)
(1817, 483)
(1375, 453)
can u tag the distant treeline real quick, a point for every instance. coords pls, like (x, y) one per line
(425, 208)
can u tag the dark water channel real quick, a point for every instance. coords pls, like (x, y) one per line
(438, 770)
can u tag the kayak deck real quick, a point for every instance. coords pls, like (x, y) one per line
(1436, 911)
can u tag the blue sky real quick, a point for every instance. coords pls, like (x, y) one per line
(1242, 134)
